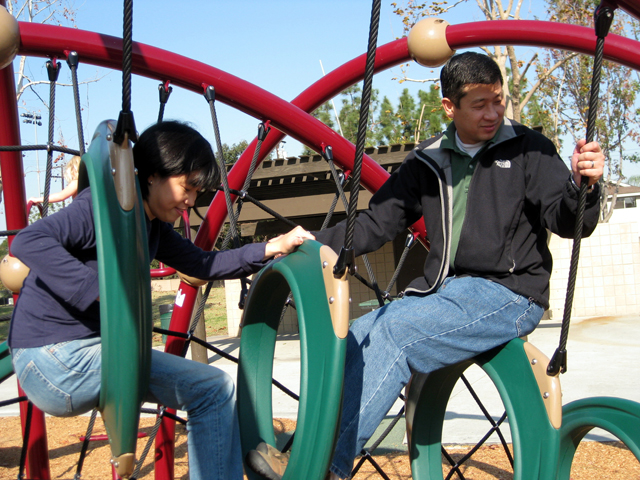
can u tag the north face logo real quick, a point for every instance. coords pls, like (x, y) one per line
(503, 163)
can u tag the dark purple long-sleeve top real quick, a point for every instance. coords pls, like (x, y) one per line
(58, 301)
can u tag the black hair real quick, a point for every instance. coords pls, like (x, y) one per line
(468, 68)
(173, 148)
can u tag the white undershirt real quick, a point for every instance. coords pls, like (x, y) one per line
(470, 148)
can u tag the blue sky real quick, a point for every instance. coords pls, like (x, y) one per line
(277, 45)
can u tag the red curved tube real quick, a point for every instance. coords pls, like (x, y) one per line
(289, 118)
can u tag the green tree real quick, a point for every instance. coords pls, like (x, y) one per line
(387, 127)
(232, 153)
(349, 115)
(432, 118)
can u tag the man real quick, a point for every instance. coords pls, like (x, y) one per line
(488, 188)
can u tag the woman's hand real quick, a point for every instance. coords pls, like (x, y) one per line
(287, 243)
(587, 160)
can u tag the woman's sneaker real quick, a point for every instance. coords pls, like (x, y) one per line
(267, 461)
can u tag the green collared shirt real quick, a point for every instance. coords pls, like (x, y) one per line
(462, 168)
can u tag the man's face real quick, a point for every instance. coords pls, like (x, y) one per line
(480, 113)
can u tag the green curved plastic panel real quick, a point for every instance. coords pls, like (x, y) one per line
(535, 440)
(6, 367)
(125, 298)
(322, 356)
(618, 416)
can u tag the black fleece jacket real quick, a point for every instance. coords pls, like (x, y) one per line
(519, 190)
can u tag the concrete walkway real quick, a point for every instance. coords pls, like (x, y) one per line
(603, 360)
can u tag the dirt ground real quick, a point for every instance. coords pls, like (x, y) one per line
(593, 461)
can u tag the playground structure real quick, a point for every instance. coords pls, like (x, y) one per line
(544, 441)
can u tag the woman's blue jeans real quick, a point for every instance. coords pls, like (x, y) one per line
(64, 379)
(465, 317)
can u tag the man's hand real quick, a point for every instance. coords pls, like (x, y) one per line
(588, 161)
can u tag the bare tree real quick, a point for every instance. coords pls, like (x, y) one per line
(567, 98)
(518, 92)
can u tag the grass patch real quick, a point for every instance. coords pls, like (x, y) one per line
(215, 313)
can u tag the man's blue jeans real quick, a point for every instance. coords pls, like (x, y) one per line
(64, 379)
(465, 317)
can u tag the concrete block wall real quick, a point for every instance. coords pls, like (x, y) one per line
(608, 281)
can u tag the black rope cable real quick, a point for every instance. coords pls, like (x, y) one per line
(245, 196)
(6, 403)
(452, 462)
(72, 61)
(328, 156)
(223, 354)
(164, 90)
(603, 18)
(455, 466)
(85, 444)
(263, 130)
(196, 318)
(494, 425)
(26, 148)
(127, 53)
(346, 258)
(210, 96)
(25, 440)
(147, 447)
(53, 70)
(407, 246)
(162, 411)
(126, 123)
(367, 457)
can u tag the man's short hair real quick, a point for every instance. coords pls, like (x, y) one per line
(468, 68)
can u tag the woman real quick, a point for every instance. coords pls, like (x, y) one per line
(55, 330)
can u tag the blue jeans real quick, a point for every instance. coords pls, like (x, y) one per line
(64, 379)
(465, 317)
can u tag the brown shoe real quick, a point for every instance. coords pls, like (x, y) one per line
(267, 461)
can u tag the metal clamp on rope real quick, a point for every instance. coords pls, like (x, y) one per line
(603, 17)
(73, 59)
(126, 125)
(346, 261)
(210, 93)
(558, 363)
(243, 296)
(327, 153)
(411, 237)
(53, 69)
(263, 130)
(165, 90)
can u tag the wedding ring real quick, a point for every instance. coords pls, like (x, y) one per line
(593, 164)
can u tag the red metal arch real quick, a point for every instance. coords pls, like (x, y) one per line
(289, 118)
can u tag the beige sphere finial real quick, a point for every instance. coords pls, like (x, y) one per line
(12, 273)
(9, 37)
(427, 42)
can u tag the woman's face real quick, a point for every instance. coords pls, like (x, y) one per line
(169, 197)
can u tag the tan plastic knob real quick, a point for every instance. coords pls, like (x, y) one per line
(9, 38)
(427, 42)
(12, 273)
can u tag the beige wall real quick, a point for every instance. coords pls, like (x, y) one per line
(608, 280)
